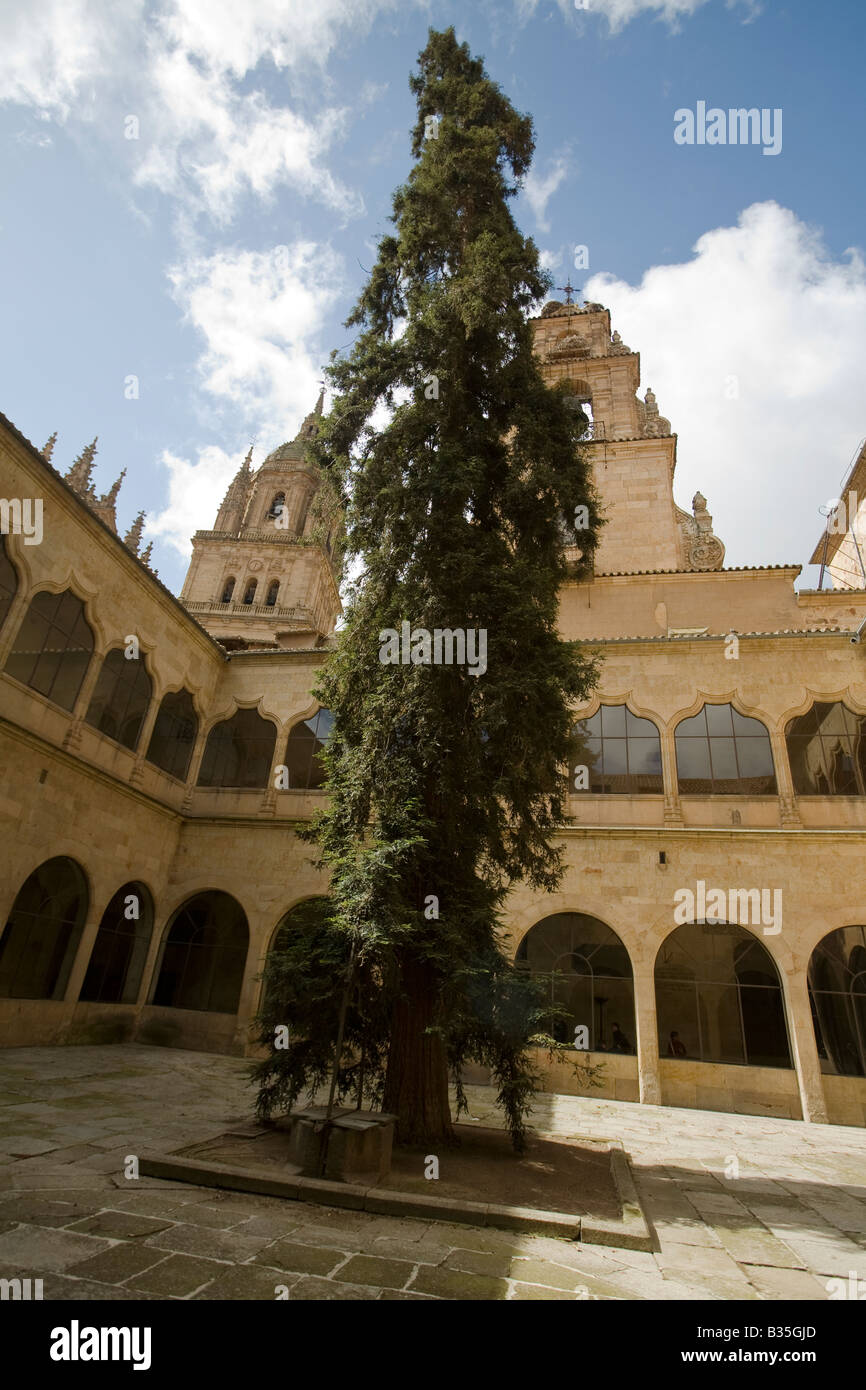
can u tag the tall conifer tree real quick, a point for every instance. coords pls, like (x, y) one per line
(446, 783)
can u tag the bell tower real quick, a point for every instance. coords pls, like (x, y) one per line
(266, 576)
(631, 445)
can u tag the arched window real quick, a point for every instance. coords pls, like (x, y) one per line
(8, 581)
(228, 589)
(306, 741)
(722, 752)
(42, 935)
(587, 971)
(718, 997)
(250, 592)
(52, 647)
(275, 510)
(119, 952)
(303, 514)
(621, 752)
(272, 594)
(837, 993)
(204, 956)
(305, 922)
(239, 752)
(120, 699)
(827, 751)
(174, 734)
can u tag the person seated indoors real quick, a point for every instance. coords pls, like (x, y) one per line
(676, 1047)
(620, 1041)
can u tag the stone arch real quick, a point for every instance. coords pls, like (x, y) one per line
(836, 980)
(719, 991)
(203, 955)
(116, 966)
(174, 733)
(586, 968)
(53, 646)
(41, 937)
(121, 697)
(239, 751)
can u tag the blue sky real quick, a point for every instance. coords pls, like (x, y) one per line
(215, 256)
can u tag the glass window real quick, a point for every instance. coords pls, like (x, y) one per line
(837, 993)
(587, 971)
(306, 741)
(250, 593)
(827, 751)
(42, 934)
(718, 997)
(722, 752)
(272, 594)
(239, 752)
(228, 590)
(116, 964)
(621, 751)
(204, 956)
(120, 699)
(52, 647)
(8, 581)
(174, 734)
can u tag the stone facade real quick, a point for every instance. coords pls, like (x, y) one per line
(676, 633)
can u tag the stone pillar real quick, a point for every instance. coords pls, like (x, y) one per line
(804, 1050)
(647, 1035)
(195, 763)
(673, 813)
(137, 774)
(789, 813)
(86, 943)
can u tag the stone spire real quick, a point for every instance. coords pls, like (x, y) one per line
(310, 428)
(104, 506)
(132, 539)
(48, 450)
(79, 475)
(231, 514)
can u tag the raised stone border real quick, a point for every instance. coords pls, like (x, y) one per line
(631, 1232)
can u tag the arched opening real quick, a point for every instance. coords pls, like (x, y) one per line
(228, 589)
(303, 749)
(586, 970)
(718, 997)
(621, 754)
(8, 581)
(307, 917)
(52, 647)
(837, 993)
(239, 751)
(272, 594)
(116, 963)
(174, 734)
(277, 508)
(204, 956)
(827, 751)
(250, 591)
(120, 698)
(721, 752)
(43, 931)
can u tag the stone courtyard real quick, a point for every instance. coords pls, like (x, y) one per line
(743, 1207)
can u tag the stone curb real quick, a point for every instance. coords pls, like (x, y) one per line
(632, 1231)
(378, 1200)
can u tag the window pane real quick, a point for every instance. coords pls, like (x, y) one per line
(694, 727)
(723, 759)
(613, 720)
(719, 719)
(693, 764)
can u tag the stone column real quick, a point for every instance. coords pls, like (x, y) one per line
(647, 1035)
(86, 943)
(137, 774)
(804, 1050)
(789, 813)
(195, 764)
(673, 813)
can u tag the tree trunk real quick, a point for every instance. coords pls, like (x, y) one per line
(416, 1087)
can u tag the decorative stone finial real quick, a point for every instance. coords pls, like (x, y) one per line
(79, 475)
(132, 539)
(109, 498)
(48, 450)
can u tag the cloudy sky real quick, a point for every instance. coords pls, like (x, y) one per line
(192, 188)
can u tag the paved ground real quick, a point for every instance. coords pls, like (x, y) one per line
(743, 1207)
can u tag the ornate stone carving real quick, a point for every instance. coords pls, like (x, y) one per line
(617, 347)
(569, 346)
(702, 549)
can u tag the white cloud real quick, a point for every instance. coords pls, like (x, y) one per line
(540, 188)
(184, 68)
(765, 310)
(618, 13)
(261, 315)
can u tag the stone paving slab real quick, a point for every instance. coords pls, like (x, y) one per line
(794, 1217)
